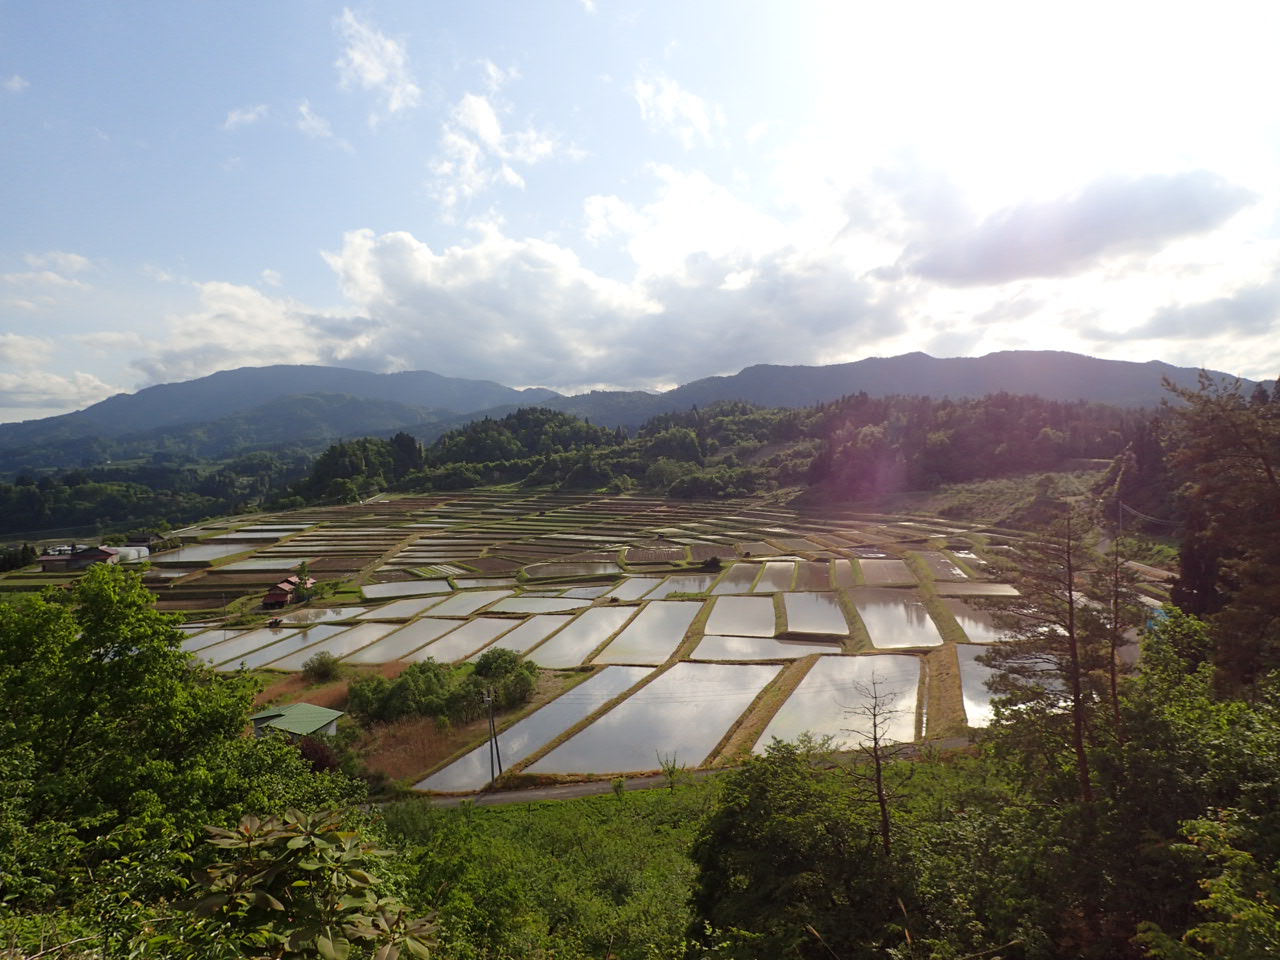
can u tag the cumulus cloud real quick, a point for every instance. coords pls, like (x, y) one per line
(668, 107)
(525, 311)
(46, 394)
(245, 116)
(240, 326)
(15, 84)
(373, 61)
(1111, 216)
(477, 153)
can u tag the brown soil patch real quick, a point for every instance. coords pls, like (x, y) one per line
(407, 749)
(294, 688)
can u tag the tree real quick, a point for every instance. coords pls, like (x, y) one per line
(1228, 453)
(787, 864)
(1055, 662)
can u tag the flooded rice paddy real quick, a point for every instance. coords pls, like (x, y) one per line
(472, 771)
(836, 697)
(683, 715)
(895, 618)
(540, 574)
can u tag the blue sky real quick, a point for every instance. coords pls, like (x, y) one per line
(579, 194)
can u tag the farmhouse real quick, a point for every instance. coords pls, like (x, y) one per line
(285, 592)
(61, 559)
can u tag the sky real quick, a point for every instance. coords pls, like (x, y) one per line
(584, 194)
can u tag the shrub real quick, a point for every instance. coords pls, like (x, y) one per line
(321, 668)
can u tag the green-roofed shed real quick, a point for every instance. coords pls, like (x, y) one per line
(299, 719)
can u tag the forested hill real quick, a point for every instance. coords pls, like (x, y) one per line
(856, 447)
(239, 411)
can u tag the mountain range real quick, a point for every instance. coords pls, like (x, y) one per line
(252, 408)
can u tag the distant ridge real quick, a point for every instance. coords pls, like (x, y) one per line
(260, 407)
(1054, 375)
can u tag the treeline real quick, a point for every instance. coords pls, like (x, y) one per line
(853, 448)
(155, 494)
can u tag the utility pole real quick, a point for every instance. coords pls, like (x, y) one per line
(488, 702)
(494, 751)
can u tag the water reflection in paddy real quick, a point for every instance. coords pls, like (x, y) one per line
(465, 604)
(243, 643)
(319, 614)
(972, 589)
(653, 635)
(572, 645)
(634, 588)
(208, 639)
(814, 613)
(738, 579)
(265, 564)
(589, 593)
(401, 609)
(398, 645)
(680, 716)
(531, 631)
(471, 772)
(684, 583)
(813, 576)
(977, 625)
(895, 619)
(529, 604)
(348, 641)
(742, 616)
(827, 701)
(290, 644)
(886, 571)
(571, 569)
(464, 641)
(844, 572)
(973, 682)
(202, 553)
(757, 648)
(406, 588)
(777, 576)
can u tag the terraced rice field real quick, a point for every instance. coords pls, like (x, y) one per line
(694, 651)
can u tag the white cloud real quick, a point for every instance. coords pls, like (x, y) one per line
(271, 277)
(48, 394)
(373, 61)
(317, 127)
(42, 278)
(20, 351)
(15, 84)
(245, 116)
(668, 107)
(59, 260)
(240, 326)
(311, 123)
(107, 340)
(476, 152)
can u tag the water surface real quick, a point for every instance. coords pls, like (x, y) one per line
(713, 647)
(895, 619)
(973, 683)
(572, 645)
(680, 717)
(472, 771)
(742, 616)
(653, 636)
(405, 588)
(398, 645)
(814, 613)
(835, 696)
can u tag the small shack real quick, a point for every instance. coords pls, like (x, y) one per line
(296, 720)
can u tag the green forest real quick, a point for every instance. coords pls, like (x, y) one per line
(1105, 813)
